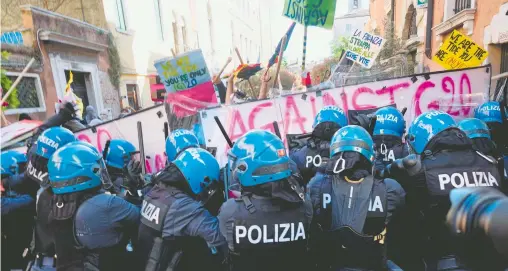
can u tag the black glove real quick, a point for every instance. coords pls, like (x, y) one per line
(132, 173)
(69, 110)
(408, 165)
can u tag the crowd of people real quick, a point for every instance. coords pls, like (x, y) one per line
(376, 196)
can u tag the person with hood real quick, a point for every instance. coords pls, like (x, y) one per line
(267, 228)
(312, 158)
(91, 117)
(442, 159)
(352, 208)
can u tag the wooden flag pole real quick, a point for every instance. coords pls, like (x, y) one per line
(304, 47)
(241, 62)
(279, 62)
(217, 79)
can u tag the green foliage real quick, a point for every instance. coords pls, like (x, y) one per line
(323, 70)
(6, 83)
(114, 62)
(338, 46)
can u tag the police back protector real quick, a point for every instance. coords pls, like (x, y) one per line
(268, 234)
(446, 170)
(351, 222)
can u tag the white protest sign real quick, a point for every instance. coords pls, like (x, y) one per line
(455, 92)
(363, 48)
(152, 120)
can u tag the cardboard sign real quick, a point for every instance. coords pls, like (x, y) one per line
(363, 48)
(459, 51)
(318, 13)
(183, 72)
(454, 92)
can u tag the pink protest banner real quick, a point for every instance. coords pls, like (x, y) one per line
(190, 101)
(455, 92)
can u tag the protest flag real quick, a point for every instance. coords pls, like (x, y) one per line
(275, 55)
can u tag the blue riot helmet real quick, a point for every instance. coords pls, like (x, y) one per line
(259, 157)
(12, 163)
(353, 138)
(76, 168)
(474, 128)
(489, 112)
(84, 143)
(197, 129)
(327, 121)
(119, 153)
(178, 141)
(52, 139)
(425, 127)
(199, 168)
(389, 121)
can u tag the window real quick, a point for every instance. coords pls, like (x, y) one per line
(158, 19)
(460, 5)
(348, 28)
(504, 58)
(355, 3)
(132, 95)
(121, 16)
(30, 95)
(413, 30)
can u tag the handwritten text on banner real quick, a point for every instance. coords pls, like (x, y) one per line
(363, 48)
(459, 51)
(183, 72)
(455, 92)
(318, 13)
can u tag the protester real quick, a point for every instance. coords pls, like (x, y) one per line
(256, 226)
(443, 159)
(313, 156)
(90, 228)
(352, 208)
(177, 232)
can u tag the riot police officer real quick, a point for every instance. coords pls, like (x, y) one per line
(352, 207)
(443, 159)
(267, 227)
(17, 211)
(178, 141)
(388, 131)
(478, 131)
(490, 112)
(315, 153)
(91, 228)
(177, 232)
(123, 168)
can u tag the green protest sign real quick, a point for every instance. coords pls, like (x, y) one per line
(318, 13)
(421, 3)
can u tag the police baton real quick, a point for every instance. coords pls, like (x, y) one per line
(403, 111)
(276, 129)
(141, 148)
(223, 131)
(372, 124)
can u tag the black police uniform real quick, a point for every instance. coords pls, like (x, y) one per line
(388, 149)
(176, 231)
(269, 229)
(449, 161)
(312, 158)
(350, 218)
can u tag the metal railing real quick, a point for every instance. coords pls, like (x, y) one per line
(460, 5)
